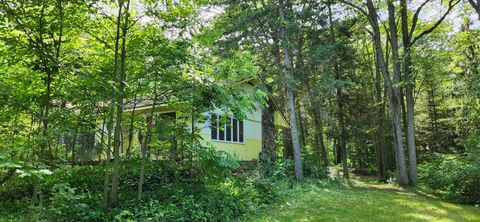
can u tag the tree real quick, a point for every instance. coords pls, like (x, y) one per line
(392, 86)
(476, 6)
(291, 101)
(119, 104)
(408, 41)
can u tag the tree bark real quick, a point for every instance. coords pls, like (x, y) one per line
(102, 137)
(144, 145)
(380, 151)
(476, 6)
(412, 152)
(291, 101)
(340, 103)
(380, 145)
(317, 122)
(74, 142)
(393, 92)
(319, 140)
(106, 189)
(119, 105)
(300, 123)
(314, 108)
(286, 133)
(268, 153)
(130, 132)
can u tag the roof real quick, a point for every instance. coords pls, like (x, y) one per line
(138, 105)
(141, 103)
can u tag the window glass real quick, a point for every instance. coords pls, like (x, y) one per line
(229, 129)
(221, 131)
(240, 131)
(214, 126)
(235, 130)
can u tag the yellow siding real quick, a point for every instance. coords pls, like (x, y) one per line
(245, 151)
(249, 150)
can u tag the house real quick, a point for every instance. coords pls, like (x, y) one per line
(240, 138)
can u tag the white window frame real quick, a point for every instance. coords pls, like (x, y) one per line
(225, 130)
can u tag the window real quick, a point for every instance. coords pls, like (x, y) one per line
(214, 127)
(226, 129)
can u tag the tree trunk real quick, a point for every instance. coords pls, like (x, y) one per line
(291, 101)
(407, 63)
(102, 137)
(319, 141)
(317, 122)
(287, 144)
(119, 105)
(408, 42)
(48, 81)
(106, 179)
(144, 145)
(286, 133)
(36, 191)
(74, 142)
(268, 154)
(143, 148)
(340, 112)
(130, 132)
(337, 152)
(401, 168)
(476, 6)
(300, 72)
(301, 124)
(393, 92)
(314, 108)
(112, 113)
(380, 145)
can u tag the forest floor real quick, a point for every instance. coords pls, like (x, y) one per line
(362, 200)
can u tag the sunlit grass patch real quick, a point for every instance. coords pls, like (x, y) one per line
(362, 201)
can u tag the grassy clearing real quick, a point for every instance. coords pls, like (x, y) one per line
(362, 201)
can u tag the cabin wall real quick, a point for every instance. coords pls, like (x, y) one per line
(245, 151)
(252, 145)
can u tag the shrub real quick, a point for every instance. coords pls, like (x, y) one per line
(174, 190)
(313, 168)
(67, 204)
(454, 177)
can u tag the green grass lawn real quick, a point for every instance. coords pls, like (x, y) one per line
(362, 201)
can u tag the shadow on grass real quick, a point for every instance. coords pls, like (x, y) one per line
(360, 201)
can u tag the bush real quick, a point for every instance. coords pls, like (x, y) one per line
(453, 177)
(232, 198)
(313, 168)
(174, 190)
(67, 204)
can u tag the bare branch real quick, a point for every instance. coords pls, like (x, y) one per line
(476, 6)
(415, 17)
(451, 4)
(356, 7)
(100, 40)
(473, 3)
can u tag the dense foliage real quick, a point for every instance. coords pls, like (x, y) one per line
(369, 87)
(173, 191)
